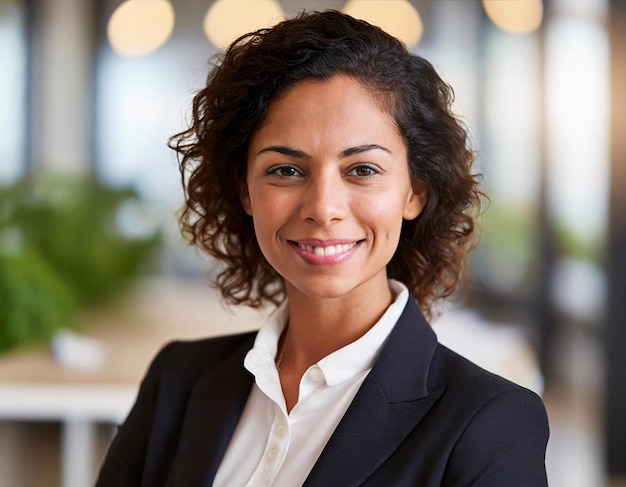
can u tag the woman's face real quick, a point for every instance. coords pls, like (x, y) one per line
(328, 186)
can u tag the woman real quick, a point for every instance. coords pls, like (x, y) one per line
(326, 172)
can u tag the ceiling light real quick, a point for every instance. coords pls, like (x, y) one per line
(396, 17)
(139, 27)
(518, 17)
(228, 19)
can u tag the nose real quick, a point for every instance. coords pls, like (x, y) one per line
(325, 199)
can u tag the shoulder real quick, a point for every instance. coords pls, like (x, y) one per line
(215, 348)
(477, 386)
(196, 355)
(476, 391)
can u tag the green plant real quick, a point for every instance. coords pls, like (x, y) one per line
(35, 300)
(62, 248)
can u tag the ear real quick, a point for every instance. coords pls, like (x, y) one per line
(244, 196)
(416, 200)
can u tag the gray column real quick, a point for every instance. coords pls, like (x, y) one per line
(62, 49)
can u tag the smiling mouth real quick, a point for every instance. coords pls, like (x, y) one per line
(328, 250)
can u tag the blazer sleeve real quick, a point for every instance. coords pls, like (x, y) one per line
(503, 445)
(124, 462)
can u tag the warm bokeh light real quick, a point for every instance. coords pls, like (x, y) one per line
(518, 17)
(228, 19)
(397, 17)
(139, 27)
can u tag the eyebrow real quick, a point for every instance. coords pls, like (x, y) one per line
(362, 148)
(287, 151)
(298, 154)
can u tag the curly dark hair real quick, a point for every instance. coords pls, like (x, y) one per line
(260, 66)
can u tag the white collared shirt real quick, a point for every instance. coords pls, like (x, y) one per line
(273, 448)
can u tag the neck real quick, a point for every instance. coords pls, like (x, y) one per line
(320, 326)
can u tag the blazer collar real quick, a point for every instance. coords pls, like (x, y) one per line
(392, 400)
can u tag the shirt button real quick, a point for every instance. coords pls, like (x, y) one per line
(280, 430)
(316, 374)
(272, 453)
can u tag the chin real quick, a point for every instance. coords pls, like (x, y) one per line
(322, 289)
(327, 287)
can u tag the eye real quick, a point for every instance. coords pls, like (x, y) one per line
(283, 171)
(363, 171)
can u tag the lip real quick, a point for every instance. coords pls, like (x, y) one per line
(325, 252)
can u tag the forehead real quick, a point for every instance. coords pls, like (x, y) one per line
(340, 97)
(340, 82)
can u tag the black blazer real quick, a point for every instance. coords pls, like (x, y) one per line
(424, 416)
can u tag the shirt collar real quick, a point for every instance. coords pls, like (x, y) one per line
(263, 353)
(341, 365)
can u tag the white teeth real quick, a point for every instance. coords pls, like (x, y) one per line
(330, 250)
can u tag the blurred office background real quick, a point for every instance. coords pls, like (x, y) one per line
(94, 276)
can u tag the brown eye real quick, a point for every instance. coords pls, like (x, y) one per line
(363, 171)
(284, 171)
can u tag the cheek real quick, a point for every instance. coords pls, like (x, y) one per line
(263, 222)
(268, 218)
(385, 215)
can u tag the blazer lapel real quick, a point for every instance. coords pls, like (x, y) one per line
(215, 406)
(391, 402)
